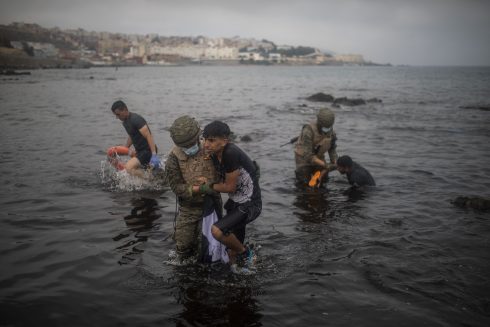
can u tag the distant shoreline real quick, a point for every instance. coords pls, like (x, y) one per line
(35, 64)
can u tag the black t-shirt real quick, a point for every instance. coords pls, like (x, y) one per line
(234, 158)
(360, 176)
(133, 125)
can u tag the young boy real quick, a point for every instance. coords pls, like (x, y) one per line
(239, 177)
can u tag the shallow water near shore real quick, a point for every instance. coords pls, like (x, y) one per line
(77, 250)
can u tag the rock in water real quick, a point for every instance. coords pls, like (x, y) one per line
(349, 102)
(320, 97)
(476, 202)
(246, 138)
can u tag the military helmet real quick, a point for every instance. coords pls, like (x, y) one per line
(185, 131)
(325, 117)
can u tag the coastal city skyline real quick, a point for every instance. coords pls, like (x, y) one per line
(27, 46)
(431, 32)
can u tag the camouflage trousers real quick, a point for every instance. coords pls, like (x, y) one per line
(188, 231)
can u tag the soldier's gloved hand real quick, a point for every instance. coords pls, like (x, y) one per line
(155, 161)
(207, 189)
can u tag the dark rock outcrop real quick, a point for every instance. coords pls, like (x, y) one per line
(246, 138)
(349, 102)
(476, 202)
(477, 107)
(320, 97)
(10, 72)
(342, 101)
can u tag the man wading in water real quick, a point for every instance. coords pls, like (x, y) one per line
(316, 139)
(239, 177)
(186, 165)
(139, 135)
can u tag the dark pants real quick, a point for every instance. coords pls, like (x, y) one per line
(238, 215)
(143, 157)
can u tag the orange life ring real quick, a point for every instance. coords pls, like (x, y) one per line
(119, 150)
(114, 152)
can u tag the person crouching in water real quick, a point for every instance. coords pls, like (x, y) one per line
(315, 140)
(357, 175)
(186, 165)
(239, 177)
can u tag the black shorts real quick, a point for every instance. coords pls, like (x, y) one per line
(237, 216)
(143, 157)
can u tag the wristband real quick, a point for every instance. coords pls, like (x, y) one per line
(203, 188)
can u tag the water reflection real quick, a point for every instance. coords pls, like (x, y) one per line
(355, 194)
(312, 203)
(140, 220)
(210, 296)
(144, 212)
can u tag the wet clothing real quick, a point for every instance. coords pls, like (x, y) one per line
(359, 176)
(238, 216)
(181, 172)
(313, 143)
(245, 204)
(143, 157)
(133, 125)
(211, 249)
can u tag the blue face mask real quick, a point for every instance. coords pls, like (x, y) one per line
(192, 150)
(326, 130)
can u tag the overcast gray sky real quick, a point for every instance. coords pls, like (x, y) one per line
(414, 32)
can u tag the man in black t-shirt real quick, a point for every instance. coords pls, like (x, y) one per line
(139, 135)
(239, 177)
(357, 175)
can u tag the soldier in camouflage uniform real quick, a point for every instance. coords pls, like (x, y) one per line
(185, 166)
(316, 139)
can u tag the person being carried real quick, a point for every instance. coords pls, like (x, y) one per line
(185, 167)
(316, 139)
(139, 135)
(356, 174)
(239, 177)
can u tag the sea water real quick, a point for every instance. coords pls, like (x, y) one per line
(82, 248)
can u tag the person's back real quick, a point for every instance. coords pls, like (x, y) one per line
(360, 176)
(133, 124)
(357, 175)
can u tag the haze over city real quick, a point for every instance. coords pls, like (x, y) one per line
(430, 32)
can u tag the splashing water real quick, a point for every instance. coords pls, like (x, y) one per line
(121, 181)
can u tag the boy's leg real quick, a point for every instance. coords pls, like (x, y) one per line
(225, 231)
(133, 167)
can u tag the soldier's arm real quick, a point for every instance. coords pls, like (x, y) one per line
(175, 180)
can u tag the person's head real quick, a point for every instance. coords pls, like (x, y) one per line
(216, 135)
(120, 109)
(325, 119)
(344, 164)
(185, 133)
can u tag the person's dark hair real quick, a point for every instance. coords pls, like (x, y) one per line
(216, 129)
(344, 161)
(118, 105)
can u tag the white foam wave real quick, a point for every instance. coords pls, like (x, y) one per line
(121, 181)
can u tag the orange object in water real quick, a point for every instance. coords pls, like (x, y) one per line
(114, 152)
(119, 150)
(315, 179)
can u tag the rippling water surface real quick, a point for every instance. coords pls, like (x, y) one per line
(75, 250)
